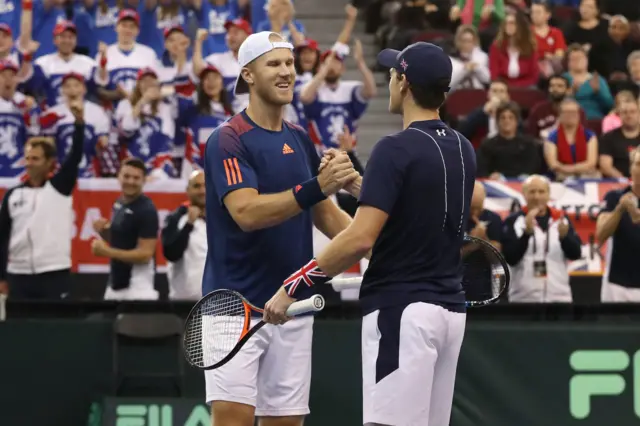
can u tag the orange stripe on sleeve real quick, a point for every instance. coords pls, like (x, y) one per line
(233, 173)
(226, 169)
(235, 163)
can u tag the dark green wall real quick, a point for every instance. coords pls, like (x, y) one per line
(509, 373)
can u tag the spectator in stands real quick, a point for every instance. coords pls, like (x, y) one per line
(481, 14)
(618, 225)
(512, 56)
(227, 62)
(538, 242)
(307, 60)
(571, 149)
(470, 64)
(543, 116)
(129, 239)
(175, 66)
(549, 40)
(184, 243)
(49, 69)
(331, 103)
(148, 126)
(198, 115)
(590, 90)
(509, 154)
(281, 19)
(436, 13)
(211, 16)
(18, 121)
(628, 9)
(8, 50)
(611, 56)
(36, 218)
(612, 121)
(104, 14)
(590, 30)
(483, 223)
(155, 17)
(616, 145)
(37, 22)
(481, 122)
(632, 83)
(59, 122)
(125, 58)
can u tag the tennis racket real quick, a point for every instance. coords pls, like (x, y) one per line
(486, 274)
(220, 324)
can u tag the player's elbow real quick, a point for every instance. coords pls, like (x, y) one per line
(245, 220)
(364, 243)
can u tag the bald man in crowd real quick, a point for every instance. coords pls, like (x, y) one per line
(184, 242)
(538, 242)
(483, 224)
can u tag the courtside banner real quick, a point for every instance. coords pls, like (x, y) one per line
(93, 198)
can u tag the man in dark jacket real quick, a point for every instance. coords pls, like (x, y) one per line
(509, 154)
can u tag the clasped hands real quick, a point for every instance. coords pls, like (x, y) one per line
(336, 172)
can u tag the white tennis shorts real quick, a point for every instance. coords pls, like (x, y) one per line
(409, 361)
(614, 293)
(271, 372)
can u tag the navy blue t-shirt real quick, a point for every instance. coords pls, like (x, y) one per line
(624, 244)
(493, 223)
(423, 177)
(239, 154)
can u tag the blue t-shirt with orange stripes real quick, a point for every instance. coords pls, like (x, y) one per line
(240, 154)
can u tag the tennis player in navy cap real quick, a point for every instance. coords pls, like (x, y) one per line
(414, 204)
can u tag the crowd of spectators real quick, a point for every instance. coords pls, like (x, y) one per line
(156, 77)
(561, 78)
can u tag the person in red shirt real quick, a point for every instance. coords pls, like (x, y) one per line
(512, 56)
(550, 42)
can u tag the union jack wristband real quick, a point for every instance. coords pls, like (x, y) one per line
(305, 277)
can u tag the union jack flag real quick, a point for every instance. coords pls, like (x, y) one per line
(310, 274)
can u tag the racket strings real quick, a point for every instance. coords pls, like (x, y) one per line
(484, 274)
(214, 328)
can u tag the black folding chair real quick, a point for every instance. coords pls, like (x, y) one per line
(148, 332)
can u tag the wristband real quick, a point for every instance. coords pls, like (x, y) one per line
(305, 277)
(103, 61)
(27, 57)
(308, 194)
(27, 4)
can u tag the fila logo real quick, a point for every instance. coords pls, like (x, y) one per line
(286, 149)
(441, 132)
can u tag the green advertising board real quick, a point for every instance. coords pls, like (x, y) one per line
(557, 373)
(155, 412)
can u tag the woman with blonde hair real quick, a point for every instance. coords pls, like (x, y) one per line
(470, 63)
(513, 57)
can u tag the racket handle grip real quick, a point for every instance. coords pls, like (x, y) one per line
(340, 284)
(312, 304)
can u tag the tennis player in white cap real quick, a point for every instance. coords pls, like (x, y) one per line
(263, 194)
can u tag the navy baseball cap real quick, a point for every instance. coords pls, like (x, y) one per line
(423, 64)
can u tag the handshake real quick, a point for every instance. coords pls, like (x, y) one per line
(336, 172)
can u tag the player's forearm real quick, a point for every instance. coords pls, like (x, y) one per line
(330, 219)
(607, 224)
(343, 251)
(266, 210)
(134, 256)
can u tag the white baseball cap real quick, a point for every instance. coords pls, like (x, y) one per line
(252, 48)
